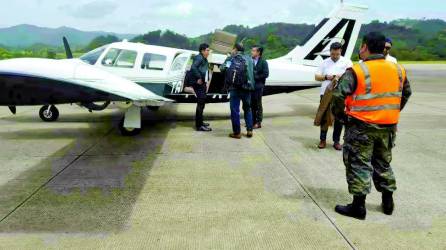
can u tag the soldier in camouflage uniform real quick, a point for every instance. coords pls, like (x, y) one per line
(367, 151)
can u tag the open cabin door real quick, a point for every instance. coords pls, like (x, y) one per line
(177, 73)
(221, 45)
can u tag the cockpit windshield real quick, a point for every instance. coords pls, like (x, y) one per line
(92, 56)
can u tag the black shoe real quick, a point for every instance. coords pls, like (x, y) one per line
(355, 210)
(387, 203)
(249, 134)
(204, 129)
(206, 124)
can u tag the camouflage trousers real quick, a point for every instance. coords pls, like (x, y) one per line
(367, 155)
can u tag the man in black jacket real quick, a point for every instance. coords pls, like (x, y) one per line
(261, 72)
(199, 71)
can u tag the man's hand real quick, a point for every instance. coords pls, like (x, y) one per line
(335, 81)
(200, 82)
(338, 77)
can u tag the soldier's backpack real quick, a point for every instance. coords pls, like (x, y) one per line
(236, 75)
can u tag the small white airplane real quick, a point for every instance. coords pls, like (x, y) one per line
(134, 75)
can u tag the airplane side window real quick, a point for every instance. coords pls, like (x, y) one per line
(110, 57)
(153, 62)
(126, 59)
(120, 58)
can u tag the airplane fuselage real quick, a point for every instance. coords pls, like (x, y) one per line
(162, 71)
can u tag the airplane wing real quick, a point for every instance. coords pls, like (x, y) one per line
(32, 81)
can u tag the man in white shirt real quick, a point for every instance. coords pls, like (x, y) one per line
(387, 49)
(332, 68)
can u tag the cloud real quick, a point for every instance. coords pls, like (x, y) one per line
(172, 10)
(92, 10)
(193, 17)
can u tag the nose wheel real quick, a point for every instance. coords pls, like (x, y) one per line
(130, 125)
(128, 131)
(49, 113)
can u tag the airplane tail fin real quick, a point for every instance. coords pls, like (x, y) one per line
(342, 25)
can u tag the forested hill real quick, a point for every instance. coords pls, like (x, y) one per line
(413, 39)
(25, 35)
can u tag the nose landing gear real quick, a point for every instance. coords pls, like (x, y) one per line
(128, 131)
(130, 125)
(49, 113)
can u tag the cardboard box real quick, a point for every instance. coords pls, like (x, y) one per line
(223, 42)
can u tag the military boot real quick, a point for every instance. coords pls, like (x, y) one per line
(387, 203)
(356, 209)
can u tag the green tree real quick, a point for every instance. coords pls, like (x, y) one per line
(437, 45)
(5, 54)
(51, 54)
(275, 47)
(153, 37)
(250, 42)
(100, 41)
(166, 38)
(172, 39)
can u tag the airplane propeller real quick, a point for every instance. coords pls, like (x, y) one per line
(67, 48)
(13, 109)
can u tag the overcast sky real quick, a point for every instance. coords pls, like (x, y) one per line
(194, 17)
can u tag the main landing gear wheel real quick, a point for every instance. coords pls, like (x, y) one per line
(128, 131)
(49, 113)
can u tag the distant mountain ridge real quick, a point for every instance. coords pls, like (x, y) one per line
(26, 35)
(412, 39)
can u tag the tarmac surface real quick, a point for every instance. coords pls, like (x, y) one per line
(77, 184)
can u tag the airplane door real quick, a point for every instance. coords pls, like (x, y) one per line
(177, 72)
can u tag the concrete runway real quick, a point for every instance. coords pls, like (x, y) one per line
(77, 184)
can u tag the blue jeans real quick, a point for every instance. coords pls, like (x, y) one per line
(238, 95)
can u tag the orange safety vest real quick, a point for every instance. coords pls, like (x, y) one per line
(377, 99)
